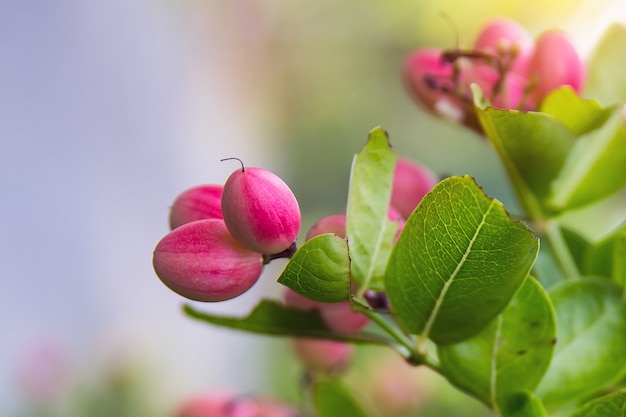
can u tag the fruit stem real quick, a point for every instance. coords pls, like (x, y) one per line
(406, 349)
(243, 168)
(287, 253)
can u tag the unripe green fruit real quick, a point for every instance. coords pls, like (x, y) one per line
(200, 260)
(260, 210)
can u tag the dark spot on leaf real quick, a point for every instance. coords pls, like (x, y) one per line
(553, 341)
(521, 352)
(534, 324)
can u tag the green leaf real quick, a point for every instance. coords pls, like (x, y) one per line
(607, 258)
(594, 169)
(370, 232)
(591, 340)
(611, 405)
(523, 404)
(606, 80)
(510, 355)
(272, 318)
(332, 399)
(457, 263)
(578, 115)
(577, 245)
(320, 269)
(532, 146)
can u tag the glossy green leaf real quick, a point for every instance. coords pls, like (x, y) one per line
(510, 355)
(611, 405)
(607, 258)
(272, 318)
(332, 399)
(594, 169)
(370, 232)
(577, 245)
(577, 114)
(457, 263)
(320, 269)
(591, 340)
(532, 146)
(522, 404)
(606, 79)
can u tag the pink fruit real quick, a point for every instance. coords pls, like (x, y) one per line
(334, 223)
(429, 81)
(411, 181)
(200, 260)
(260, 210)
(326, 356)
(554, 64)
(339, 317)
(506, 39)
(226, 404)
(214, 404)
(197, 203)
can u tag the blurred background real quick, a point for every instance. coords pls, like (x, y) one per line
(108, 110)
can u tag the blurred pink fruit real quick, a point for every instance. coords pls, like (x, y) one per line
(554, 64)
(429, 80)
(214, 404)
(411, 182)
(326, 356)
(200, 260)
(260, 210)
(505, 38)
(339, 317)
(334, 223)
(226, 404)
(197, 203)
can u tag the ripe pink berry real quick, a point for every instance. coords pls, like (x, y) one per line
(260, 210)
(213, 404)
(411, 181)
(226, 404)
(429, 81)
(200, 260)
(326, 356)
(505, 38)
(334, 223)
(339, 317)
(197, 203)
(554, 64)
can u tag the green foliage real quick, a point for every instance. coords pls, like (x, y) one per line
(510, 355)
(332, 399)
(613, 405)
(523, 405)
(272, 318)
(370, 232)
(320, 269)
(591, 340)
(605, 76)
(571, 154)
(459, 260)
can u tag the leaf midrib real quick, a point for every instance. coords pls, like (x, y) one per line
(434, 313)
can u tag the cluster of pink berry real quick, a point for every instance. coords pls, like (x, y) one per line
(222, 236)
(512, 70)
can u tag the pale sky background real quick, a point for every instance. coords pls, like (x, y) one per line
(107, 111)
